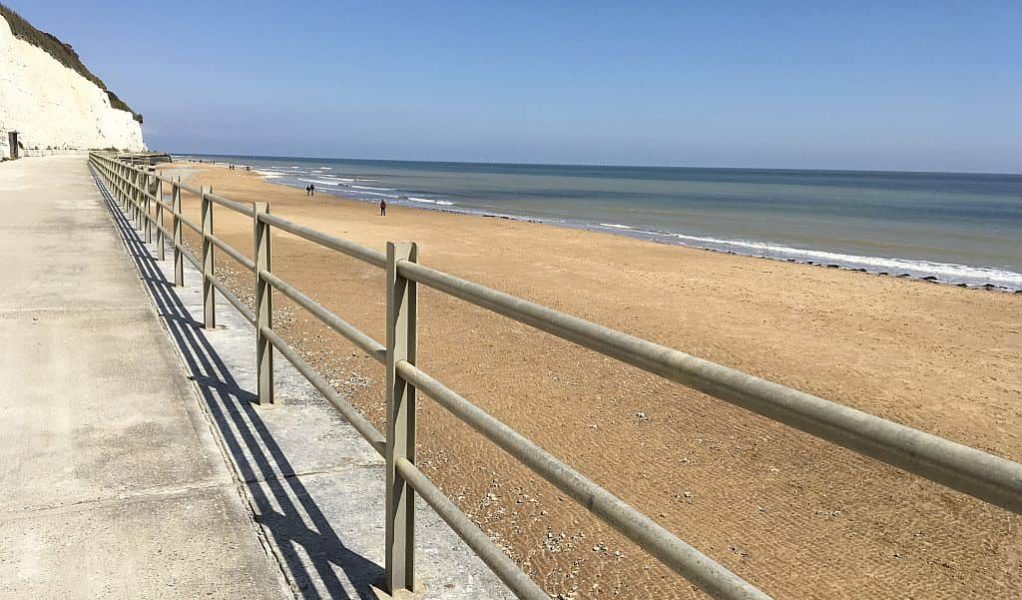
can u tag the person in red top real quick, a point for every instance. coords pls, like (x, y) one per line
(383, 208)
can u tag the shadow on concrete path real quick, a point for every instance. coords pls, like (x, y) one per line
(262, 467)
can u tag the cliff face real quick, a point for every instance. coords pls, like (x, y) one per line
(54, 107)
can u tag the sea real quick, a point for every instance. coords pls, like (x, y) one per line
(956, 228)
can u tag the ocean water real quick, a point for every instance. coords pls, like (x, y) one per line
(949, 227)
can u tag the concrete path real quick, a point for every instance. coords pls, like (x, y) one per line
(112, 484)
(112, 463)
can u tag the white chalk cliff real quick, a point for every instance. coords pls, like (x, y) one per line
(54, 108)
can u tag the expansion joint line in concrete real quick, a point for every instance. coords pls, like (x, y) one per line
(70, 309)
(86, 504)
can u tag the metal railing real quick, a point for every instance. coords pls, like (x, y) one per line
(984, 476)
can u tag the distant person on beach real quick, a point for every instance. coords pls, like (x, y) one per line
(308, 190)
(383, 208)
(312, 189)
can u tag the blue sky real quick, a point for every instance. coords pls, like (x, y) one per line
(853, 85)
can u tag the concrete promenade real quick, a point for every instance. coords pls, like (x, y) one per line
(111, 482)
(133, 463)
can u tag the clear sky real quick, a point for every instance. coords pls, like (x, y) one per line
(927, 85)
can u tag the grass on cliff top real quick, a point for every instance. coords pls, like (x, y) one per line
(61, 52)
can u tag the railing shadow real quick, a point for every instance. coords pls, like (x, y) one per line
(278, 495)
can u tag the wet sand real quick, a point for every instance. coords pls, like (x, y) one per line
(794, 515)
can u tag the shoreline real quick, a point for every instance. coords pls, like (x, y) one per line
(886, 266)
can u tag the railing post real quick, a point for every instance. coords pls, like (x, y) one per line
(126, 177)
(161, 251)
(139, 183)
(179, 259)
(400, 399)
(125, 190)
(147, 190)
(150, 204)
(263, 305)
(134, 200)
(208, 291)
(129, 192)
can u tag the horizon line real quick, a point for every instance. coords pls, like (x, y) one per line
(607, 165)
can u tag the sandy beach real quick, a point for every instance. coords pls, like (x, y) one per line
(796, 516)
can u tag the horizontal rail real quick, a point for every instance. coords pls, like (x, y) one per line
(191, 258)
(158, 176)
(662, 544)
(349, 331)
(247, 262)
(234, 205)
(244, 209)
(353, 250)
(974, 472)
(166, 205)
(187, 188)
(190, 225)
(360, 423)
(505, 568)
(151, 216)
(233, 299)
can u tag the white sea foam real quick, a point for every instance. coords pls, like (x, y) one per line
(333, 178)
(948, 272)
(366, 187)
(429, 201)
(941, 271)
(396, 197)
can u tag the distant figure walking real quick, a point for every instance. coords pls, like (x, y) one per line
(312, 189)
(308, 190)
(383, 208)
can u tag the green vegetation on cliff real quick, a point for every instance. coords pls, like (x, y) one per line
(61, 52)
